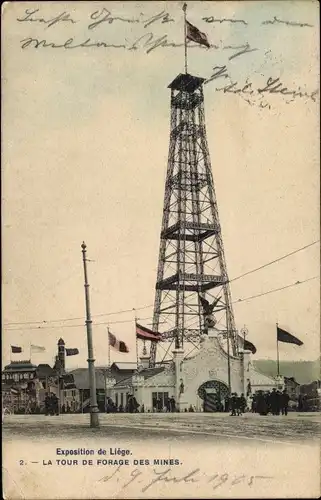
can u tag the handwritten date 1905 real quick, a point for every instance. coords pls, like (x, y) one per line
(214, 481)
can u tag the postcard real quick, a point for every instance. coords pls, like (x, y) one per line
(160, 222)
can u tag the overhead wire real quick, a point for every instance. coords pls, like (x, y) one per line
(273, 261)
(123, 311)
(149, 317)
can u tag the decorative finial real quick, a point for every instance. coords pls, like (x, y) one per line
(83, 246)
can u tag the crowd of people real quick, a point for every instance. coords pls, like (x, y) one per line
(51, 404)
(169, 405)
(237, 404)
(132, 406)
(263, 403)
(274, 402)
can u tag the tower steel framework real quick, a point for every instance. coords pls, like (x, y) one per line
(191, 256)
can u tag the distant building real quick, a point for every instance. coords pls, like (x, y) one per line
(18, 372)
(310, 396)
(25, 384)
(76, 384)
(292, 387)
(18, 385)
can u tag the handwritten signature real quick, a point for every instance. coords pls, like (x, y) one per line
(194, 476)
(273, 85)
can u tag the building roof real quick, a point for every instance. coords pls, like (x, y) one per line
(146, 373)
(81, 378)
(258, 378)
(45, 370)
(128, 365)
(151, 372)
(24, 366)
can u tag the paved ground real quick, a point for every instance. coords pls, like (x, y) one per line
(294, 427)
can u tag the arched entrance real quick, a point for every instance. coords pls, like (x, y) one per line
(213, 394)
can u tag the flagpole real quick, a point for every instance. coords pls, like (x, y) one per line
(136, 340)
(105, 372)
(277, 351)
(228, 360)
(30, 351)
(185, 41)
(108, 349)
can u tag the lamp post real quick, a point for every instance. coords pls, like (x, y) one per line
(94, 420)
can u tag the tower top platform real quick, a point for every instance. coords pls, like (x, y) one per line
(186, 83)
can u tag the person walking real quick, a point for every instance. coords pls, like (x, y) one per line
(242, 403)
(47, 404)
(285, 398)
(172, 404)
(233, 404)
(273, 401)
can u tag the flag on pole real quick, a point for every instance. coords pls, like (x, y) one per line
(15, 349)
(248, 346)
(195, 35)
(116, 344)
(283, 336)
(37, 348)
(72, 352)
(144, 333)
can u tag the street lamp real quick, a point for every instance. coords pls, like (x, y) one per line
(94, 420)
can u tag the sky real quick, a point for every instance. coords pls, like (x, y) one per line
(85, 144)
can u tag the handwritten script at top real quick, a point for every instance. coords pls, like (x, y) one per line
(214, 481)
(148, 42)
(97, 18)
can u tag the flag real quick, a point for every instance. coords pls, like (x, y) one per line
(37, 348)
(72, 352)
(283, 336)
(248, 346)
(15, 349)
(118, 345)
(195, 35)
(144, 333)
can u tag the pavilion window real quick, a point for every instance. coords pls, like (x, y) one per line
(159, 396)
